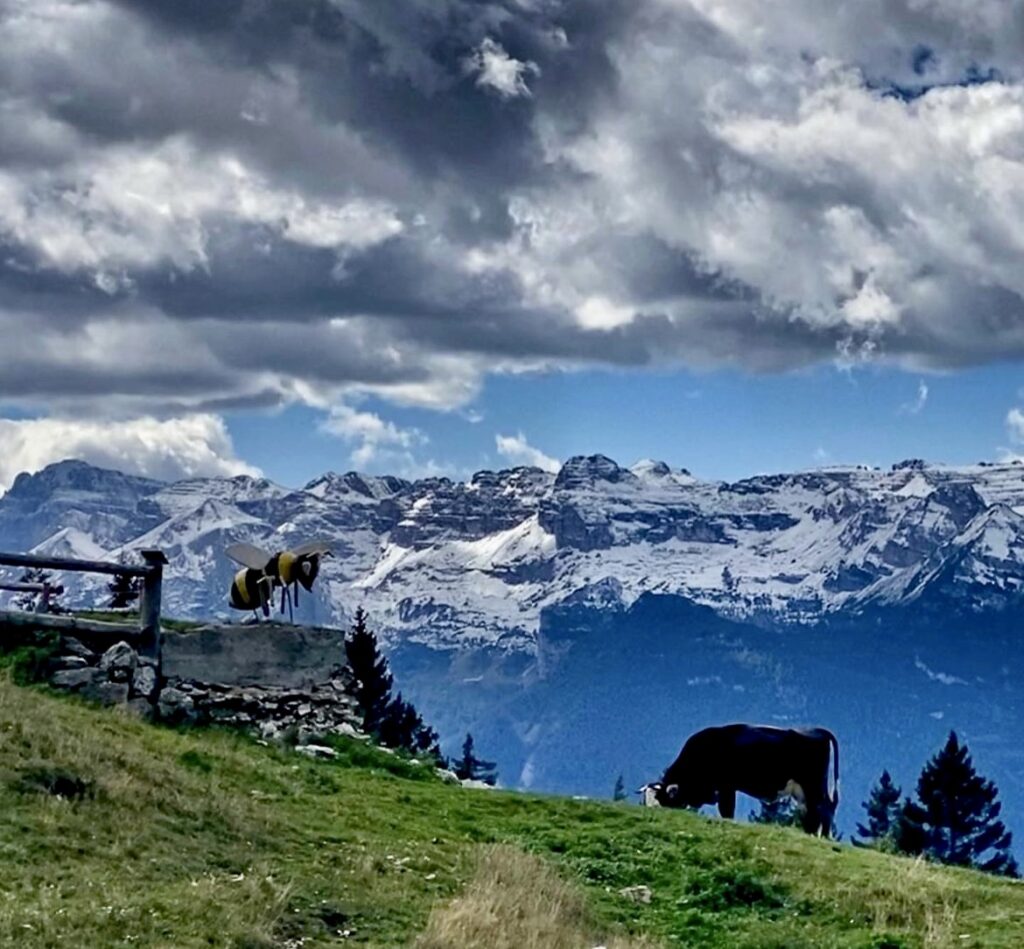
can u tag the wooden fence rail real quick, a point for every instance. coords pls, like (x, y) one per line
(151, 572)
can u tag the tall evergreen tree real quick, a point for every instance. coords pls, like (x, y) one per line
(908, 833)
(393, 721)
(471, 768)
(124, 590)
(619, 791)
(959, 814)
(883, 810)
(370, 668)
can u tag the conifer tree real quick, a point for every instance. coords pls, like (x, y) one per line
(619, 791)
(908, 833)
(124, 590)
(370, 668)
(471, 768)
(958, 814)
(393, 721)
(883, 810)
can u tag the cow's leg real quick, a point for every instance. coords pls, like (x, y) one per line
(813, 819)
(727, 804)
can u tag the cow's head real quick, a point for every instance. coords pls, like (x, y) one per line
(659, 794)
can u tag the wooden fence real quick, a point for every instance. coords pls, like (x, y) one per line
(146, 632)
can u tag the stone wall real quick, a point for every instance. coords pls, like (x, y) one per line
(283, 682)
(266, 654)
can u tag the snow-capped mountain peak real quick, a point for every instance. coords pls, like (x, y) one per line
(450, 562)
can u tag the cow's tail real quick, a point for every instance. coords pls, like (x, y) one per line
(834, 795)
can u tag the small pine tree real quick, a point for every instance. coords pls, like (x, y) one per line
(394, 722)
(908, 832)
(124, 590)
(783, 811)
(619, 791)
(958, 814)
(883, 810)
(471, 768)
(370, 669)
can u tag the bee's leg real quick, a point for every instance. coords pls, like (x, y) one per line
(284, 593)
(291, 614)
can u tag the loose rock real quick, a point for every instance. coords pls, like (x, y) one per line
(76, 679)
(316, 751)
(119, 662)
(108, 693)
(144, 682)
(175, 706)
(74, 647)
(70, 662)
(638, 894)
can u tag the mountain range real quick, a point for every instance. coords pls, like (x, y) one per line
(609, 610)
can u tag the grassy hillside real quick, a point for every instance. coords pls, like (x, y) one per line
(166, 838)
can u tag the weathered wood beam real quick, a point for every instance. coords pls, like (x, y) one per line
(29, 587)
(149, 603)
(22, 620)
(65, 563)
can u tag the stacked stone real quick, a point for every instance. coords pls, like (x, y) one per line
(120, 676)
(272, 712)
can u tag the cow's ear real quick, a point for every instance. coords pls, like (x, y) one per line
(672, 792)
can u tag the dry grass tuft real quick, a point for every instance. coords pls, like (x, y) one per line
(919, 898)
(516, 901)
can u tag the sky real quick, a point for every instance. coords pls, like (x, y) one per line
(424, 238)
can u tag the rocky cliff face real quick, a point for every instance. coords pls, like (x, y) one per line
(452, 564)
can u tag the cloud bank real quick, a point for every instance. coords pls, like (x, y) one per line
(269, 202)
(168, 450)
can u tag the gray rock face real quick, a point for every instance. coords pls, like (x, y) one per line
(74, 647)
(175, 705)
(70, 662)
(139, 708)
(107, 692)
(144, 682)
(76, 679)
(119, 662)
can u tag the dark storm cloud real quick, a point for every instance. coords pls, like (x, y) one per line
(216, 204)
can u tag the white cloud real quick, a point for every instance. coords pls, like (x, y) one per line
(915, 406)
(499, 71)
(376, 440)
(130, 207)
(167, 449)
(1015, 425)
(520, 452)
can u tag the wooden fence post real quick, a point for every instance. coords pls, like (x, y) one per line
(149, 606)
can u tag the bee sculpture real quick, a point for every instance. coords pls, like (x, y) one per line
(252, 590)
(288, 569)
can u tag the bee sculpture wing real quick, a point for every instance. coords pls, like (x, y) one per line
(248, 556)
(313, 547)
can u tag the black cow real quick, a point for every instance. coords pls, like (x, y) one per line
(759, 760)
